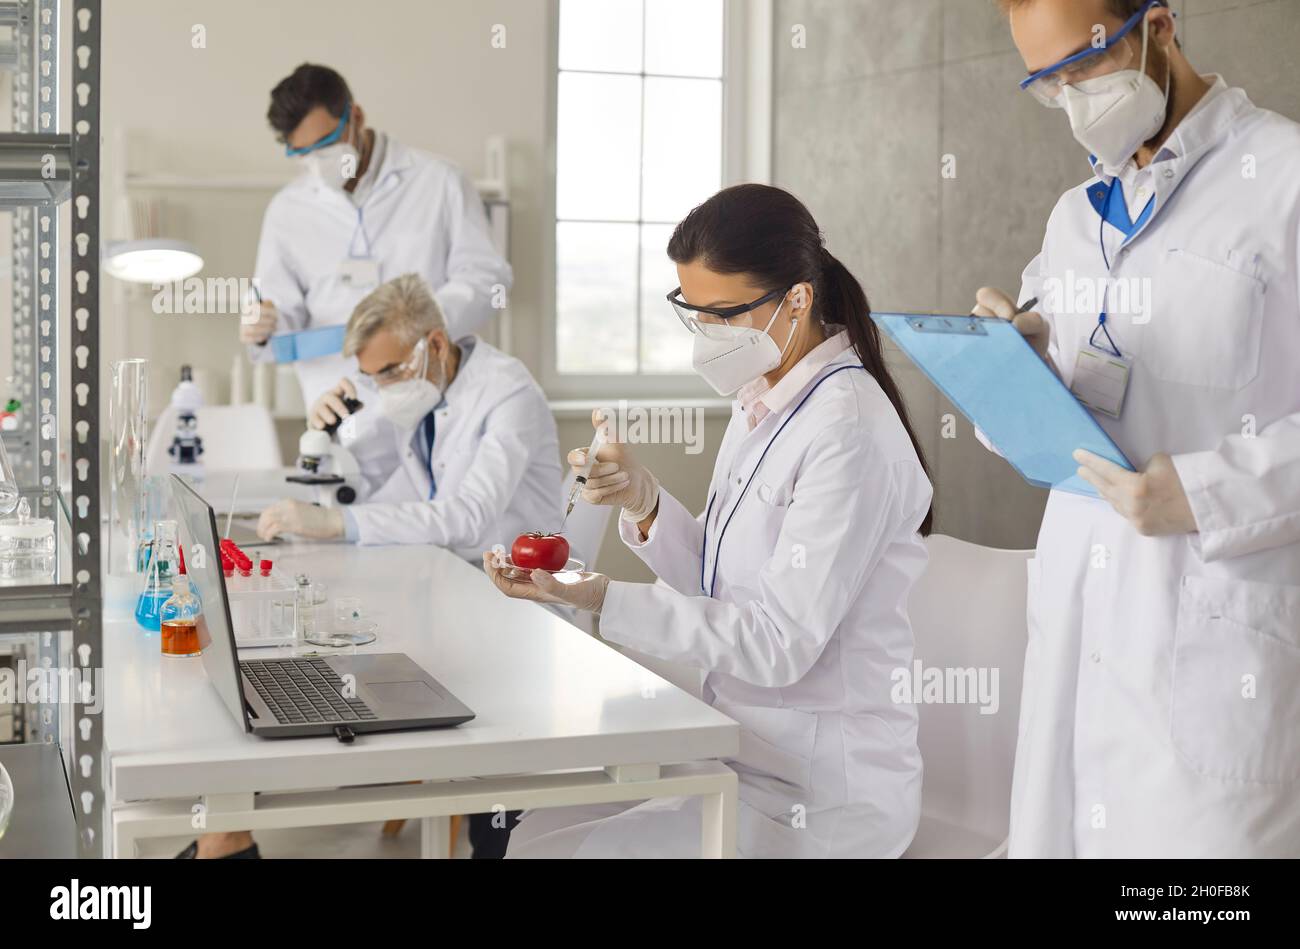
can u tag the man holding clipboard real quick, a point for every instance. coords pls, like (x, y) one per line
(1161, 706)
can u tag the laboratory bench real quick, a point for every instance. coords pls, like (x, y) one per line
(561, 718)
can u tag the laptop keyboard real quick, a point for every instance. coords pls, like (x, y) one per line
(298, 691)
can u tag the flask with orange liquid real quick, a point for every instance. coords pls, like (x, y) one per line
(180, 617)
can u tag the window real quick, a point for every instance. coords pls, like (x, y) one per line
(639, 139)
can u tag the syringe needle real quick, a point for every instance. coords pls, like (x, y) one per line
(584, 474)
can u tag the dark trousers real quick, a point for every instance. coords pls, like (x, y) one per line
(486, 841)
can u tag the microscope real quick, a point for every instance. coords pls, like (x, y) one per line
(326, 465)
(187, 446)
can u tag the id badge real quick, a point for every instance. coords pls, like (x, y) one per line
(1101, 379)
(359, 273)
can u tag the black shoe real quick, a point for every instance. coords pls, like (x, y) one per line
(248, 853)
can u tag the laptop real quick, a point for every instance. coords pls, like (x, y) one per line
(343, 696)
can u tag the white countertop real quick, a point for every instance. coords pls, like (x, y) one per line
(547, 696)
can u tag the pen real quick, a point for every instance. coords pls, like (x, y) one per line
(258, 293)
(581, 479)
(1029, 305)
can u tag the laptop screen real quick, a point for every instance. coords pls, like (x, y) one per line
(202, 548)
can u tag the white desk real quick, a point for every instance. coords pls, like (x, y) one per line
(548, 699)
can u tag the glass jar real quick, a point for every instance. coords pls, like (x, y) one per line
(26, 546)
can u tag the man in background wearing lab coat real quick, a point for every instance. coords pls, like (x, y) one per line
(365, 209)
(458, 449)
(1161, 706)
(456, 444)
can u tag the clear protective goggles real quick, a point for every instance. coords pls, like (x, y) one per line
(411, 367)
(328, 140)
(1092, 63)
(711, 321)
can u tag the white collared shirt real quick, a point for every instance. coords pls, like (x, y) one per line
(1137, 182)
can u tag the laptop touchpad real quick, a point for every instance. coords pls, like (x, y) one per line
(402, 693)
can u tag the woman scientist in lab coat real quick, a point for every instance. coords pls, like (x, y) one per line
(790, 590)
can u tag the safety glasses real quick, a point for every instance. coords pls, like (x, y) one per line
(710, 321)
(409, 368)
(1092, 63)
(329, 139)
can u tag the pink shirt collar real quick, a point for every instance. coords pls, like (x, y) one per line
(758, 399)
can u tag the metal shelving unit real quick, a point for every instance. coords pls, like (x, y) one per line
(42, 168)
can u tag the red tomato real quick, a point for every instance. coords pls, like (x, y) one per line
(548, 551)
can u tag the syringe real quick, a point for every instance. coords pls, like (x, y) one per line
(580, 481)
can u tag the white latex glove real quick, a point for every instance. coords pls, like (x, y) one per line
(329, 408)
(1032, 326)
(257, 326)
(586, 591)
(617, 478)
(298, 517)
(1152, 500)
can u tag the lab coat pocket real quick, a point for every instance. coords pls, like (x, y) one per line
(1206, 321)
(774, 741)
(1235, 705)
(752, 533)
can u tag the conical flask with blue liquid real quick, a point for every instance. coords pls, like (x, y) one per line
(161, 565)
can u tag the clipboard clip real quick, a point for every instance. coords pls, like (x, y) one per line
(951, 325)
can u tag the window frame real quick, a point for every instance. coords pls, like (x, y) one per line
(746, 156)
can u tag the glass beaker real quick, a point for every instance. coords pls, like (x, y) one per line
(350, 628)
(8, 484)
(162, 565)
(129, 523)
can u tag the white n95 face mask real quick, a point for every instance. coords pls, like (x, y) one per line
(406, 403)
(733, 356)
(1113, 115)
(334, 165)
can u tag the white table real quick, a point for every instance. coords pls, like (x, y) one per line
(561, 719)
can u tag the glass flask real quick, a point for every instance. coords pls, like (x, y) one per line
(26, 545)
(179, 619)
(162, 565)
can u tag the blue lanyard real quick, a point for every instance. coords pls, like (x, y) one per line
(360, 228)
(1128, 227)
(717, 551)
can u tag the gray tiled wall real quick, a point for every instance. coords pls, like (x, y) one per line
(864, 116)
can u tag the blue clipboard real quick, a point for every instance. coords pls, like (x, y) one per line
(994, 377)
(307, 344)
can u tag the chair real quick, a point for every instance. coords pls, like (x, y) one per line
(235, 438)
(968, 611)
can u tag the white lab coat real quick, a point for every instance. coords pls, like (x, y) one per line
(421, 216)
(496, 461)
(807, 622)
(1161, 705)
